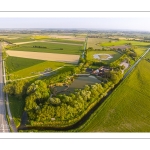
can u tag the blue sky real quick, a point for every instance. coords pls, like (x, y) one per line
(142, 24)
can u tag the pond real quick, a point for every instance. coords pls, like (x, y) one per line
(79, 83)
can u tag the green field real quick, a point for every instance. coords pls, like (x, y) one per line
(115, 55)
(98, 43)
(16, 107)
(36, 69)
(128, 108)
(95, 42)
(50, 48)
(14, 64)
(67, 41)
(140, 50)
(17, 40)
(123, 42)
(148, 55)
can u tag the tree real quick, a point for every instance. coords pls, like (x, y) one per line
(17, 88)
(39, 88)
(133, 54)
(30, 103)
(9, 89)
(55, 101)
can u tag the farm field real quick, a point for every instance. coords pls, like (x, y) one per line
(39, 68)
(114, 54)
(24, 42)
(50, 48)
(19, 40)
(140, 50)
(45, 56)
(68, 37)
(99, 43)
(51, 42)
(67, 41)
(14, 64)
(128, 108)
(95, 42)
(123, 42)
(148, 55)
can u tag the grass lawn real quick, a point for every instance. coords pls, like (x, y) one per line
(41, 67)
(50, 48)
(16, 108)
(114, 54)
(14, 64)
(128, 108)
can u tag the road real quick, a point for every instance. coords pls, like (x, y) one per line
(129, 71)
(3, 121)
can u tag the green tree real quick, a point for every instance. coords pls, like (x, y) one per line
(40, 89)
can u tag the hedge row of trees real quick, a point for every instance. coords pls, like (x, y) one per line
(17, 88)
(39, 47)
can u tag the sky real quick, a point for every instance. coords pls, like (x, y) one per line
(137, 24)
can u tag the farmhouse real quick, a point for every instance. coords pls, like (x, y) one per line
(102, 71)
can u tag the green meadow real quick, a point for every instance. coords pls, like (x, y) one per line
(39, 68)
(14, 64)
(50, 48)
(96, 42)
(17, 40)
(123, 42)
(23, 67)
(67, 41)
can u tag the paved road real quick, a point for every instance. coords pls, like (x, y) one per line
(3, 122)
